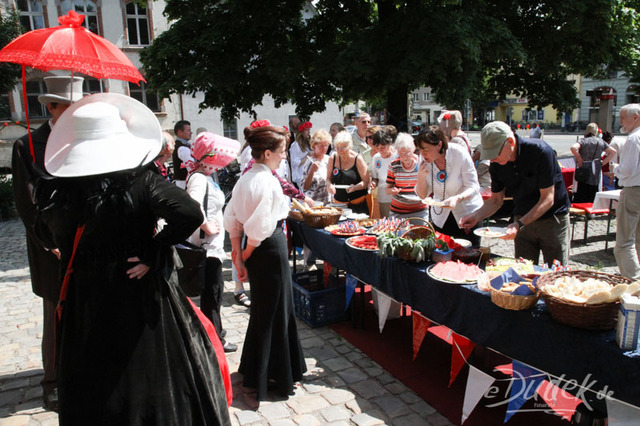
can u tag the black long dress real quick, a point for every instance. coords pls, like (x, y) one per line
(132, 352)
(272, 357)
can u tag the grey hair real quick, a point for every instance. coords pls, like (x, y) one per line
(405, 140)
(166, 139)
(343, 138)
(631, 109)
(454, 122)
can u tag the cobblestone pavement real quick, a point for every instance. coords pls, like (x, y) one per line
(342, 387)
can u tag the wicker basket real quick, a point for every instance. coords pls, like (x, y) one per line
(601, 316)
(296, 215)
(513, 302)
(321, 220)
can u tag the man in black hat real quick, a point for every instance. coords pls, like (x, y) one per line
(27, 171)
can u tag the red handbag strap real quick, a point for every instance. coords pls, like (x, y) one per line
(67, 275)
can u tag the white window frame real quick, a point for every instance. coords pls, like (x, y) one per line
(32, 15)
(230, 130)
(137, 17)
(87, 15)
(145, 94)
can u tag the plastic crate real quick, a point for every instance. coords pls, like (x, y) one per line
(315, 305)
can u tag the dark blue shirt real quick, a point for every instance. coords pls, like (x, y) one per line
(535, 168)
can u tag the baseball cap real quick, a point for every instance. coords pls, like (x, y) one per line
(492, 138)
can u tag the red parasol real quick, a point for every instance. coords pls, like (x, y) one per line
(71, 47)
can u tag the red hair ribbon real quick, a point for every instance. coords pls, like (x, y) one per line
(260, 123)
(305, 125)
(446, 116)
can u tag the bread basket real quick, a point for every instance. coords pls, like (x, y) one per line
(315, 219)
(513, 302)
(601, 316)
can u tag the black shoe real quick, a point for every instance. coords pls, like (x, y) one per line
(223, 333)
(229, 347)
(242, 299)
(50, 400)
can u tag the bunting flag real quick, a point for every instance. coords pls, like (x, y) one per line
(506, 369)
(442, 332)
(420, 327)
(382, 302)
(526, 381)
(559, 400)
(620, 413)
(477, 384)
(460, 351)
(351, 283)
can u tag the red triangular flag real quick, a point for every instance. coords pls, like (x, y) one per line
(559, 400)
(420, 327)
(460, 351)
(442, 332)
(327, 272)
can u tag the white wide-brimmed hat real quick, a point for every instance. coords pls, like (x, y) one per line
(102, 133)
(62, 90)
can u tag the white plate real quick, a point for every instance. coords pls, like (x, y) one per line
(435, 203)
(411, 197)
(341, 186)
(444, 280)
(356, 216)
(490, 232)
(358, 248)
(464, 243)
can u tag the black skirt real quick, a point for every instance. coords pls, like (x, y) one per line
(272, 357)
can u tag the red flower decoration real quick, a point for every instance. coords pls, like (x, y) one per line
(285, 128)
(260, 123)
(446, 116)
(73, 19)
(305, 125)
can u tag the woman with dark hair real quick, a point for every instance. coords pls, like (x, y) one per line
(272, 356)
(131, 348)
(447, 174)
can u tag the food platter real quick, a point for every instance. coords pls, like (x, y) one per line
(446, 280)
(411, 197)
(490, 232)
(353, 242)
(340, 233)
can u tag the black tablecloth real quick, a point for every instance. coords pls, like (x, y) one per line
(528, 336)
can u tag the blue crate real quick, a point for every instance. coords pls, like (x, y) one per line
(315, 305)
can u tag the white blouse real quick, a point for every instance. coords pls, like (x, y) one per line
(461, 180)
(257, 204)
(197, 188)
(296, 156)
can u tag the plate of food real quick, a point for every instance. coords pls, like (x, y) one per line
(347, 229)
(490, 232)
(411, 197)
(341, 186)
(435, 203)
(455, 272)
(363, 242)
(384, 226)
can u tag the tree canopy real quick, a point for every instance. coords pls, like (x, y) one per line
(9, 73)
(235, 52)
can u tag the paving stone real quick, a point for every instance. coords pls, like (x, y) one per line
(275, 410)
(368, 419)
(352, 375)
(410, 397)
(359, 405)
(396, 387)
(337, 364)
(20, 420)
(338, 396)
(437, 419)
(392, 406)
(307, 404)
(412, 419)
(316, 386)
(334, 414)
(307, 420)
(282, 422)
(422, 408)
(368, 389)
(334, 381)
(247, 417)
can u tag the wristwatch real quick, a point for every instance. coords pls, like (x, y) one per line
(520, 224)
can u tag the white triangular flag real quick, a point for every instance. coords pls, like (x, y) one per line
(384, 304)
(477, 384)
(620, 413)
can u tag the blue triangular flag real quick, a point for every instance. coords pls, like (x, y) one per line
(525, 382)
(351, 283)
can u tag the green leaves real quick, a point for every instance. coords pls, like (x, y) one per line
(418, 250)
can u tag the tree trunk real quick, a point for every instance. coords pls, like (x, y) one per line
(397, 99)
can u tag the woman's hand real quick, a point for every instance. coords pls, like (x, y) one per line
(238, 262)
(422, 170)
(211, 228)
(351, 188)
(137, 271)
(331, 189)
(394, 190)
(452, 201)
(314, 167)
(309, 201)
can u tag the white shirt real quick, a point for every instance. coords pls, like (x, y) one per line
(184, 152)
(617, 143)
(256, 206)
(245, 157)
(628, 171)
(461, 180)
(297, 155)
(197, 188)
(379, 169)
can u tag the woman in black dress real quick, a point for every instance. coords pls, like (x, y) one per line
(272, 356)
(131, 349)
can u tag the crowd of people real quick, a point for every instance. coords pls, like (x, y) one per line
(122, 343)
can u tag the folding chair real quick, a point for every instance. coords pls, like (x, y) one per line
(586, 211)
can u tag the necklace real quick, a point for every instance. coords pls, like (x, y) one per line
(442, 177)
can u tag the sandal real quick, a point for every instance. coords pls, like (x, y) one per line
(242, 299)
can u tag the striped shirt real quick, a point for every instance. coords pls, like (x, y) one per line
(406, 201)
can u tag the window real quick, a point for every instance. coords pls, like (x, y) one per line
(140, 93)
(31, 16)
(5, 107)
(230, 129)
(83, 7)
(415, 97)
(426, 96)
(36, 88)
(91, 85)
(137, 25)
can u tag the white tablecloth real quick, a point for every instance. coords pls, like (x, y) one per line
(603, 197)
